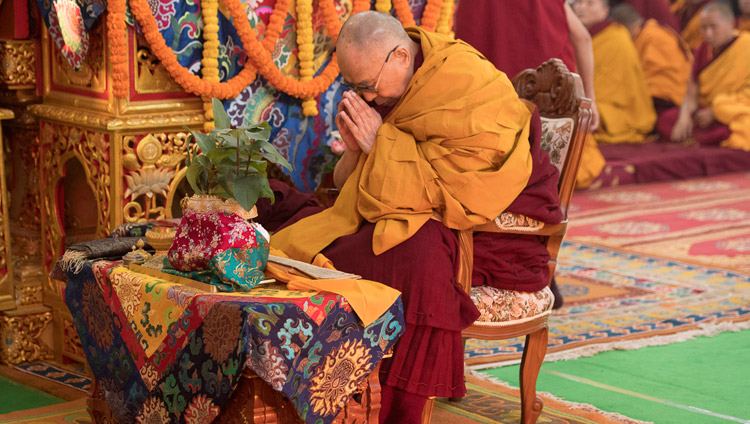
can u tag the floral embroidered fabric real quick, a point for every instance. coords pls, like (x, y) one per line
(500, 305)
(164, 352)
(233, 250)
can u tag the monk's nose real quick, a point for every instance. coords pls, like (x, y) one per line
(369, 96)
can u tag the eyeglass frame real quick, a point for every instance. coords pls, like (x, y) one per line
(374, 88)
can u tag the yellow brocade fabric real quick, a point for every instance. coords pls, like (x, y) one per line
(455, 144)
(666, 61)
(724, 85)
(626, 111)
(368, 299)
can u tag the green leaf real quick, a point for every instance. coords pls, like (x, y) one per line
(271, 154)
(193, 175)
(220, 153)
(261, 131)
(205, 143)
(247, 190)
(221, 119)
(265, 189)
(204, 161)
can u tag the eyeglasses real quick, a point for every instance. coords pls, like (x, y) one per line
(370, 88)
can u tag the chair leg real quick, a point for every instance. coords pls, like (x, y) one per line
(533, 355)
(427, 411)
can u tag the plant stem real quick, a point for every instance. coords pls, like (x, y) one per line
(238, 152)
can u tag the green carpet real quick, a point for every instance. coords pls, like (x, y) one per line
(705, 380)
(17, 397)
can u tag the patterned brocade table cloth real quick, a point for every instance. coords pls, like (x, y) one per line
(165, 352)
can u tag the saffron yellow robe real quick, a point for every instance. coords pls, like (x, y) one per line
(626, 111)
(724, 86)
(666, 61)
(691, 32)
(455, 144)
(743, 24)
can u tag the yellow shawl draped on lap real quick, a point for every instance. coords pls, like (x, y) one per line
(724, 85)
(666, 61)
(455, 144)
(626, 111)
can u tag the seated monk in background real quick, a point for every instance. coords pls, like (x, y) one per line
(517, 35)
(665, 58)
(436, 140)
(716, 109)
(658, 10)
(688, 14)
(626, 112)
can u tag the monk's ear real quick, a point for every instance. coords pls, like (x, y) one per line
(402, 55)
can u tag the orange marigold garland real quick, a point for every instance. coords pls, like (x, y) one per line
(431, 14)
(403, 12)
(210, 61)
(445, 23)
(383, 6)
(275, 24)
(306, 51)
(118, 43)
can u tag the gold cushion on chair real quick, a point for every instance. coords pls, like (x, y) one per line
(502, 306)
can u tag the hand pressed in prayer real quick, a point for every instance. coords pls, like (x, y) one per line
(360, 120)
(346, 135)
(704, 117)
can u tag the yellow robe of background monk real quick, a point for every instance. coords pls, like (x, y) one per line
(626, 110)
(666, 60)
(724, 85)
(455, 144)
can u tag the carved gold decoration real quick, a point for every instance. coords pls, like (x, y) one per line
(102, 121)
(150, 165)
(161, 238)
(71, 343)
(21, 330)
(150, 75)
(92, 74)
(29, 295)
(7, 293)
(61, 143)
(18, 64)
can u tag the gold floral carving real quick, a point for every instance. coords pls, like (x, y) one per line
(71, 342)
(61, 143)
(7, 300)
(18, 64)
(149, 168)
(150, 75)
(29, 295)
(102, 121)
(25, 332)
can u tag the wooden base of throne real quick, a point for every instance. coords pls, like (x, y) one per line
(255, 402)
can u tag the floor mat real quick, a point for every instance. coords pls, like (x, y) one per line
(701, 381)
(620, 300)
(491, 403)
(704, 221)
(57, 374)
(65, 413)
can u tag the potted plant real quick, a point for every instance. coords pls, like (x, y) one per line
(229, 171)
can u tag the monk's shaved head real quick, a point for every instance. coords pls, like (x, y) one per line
(722, 8)
(370, 29)
(626, 15)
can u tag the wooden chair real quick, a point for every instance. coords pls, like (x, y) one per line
(565, 112)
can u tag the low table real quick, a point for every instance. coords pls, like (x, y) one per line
(165, 352)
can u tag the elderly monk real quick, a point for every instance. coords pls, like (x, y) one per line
(665, 57)
(658, 10)
(436, 140)
(688, 13)
(626, 112)
(716, 109)
(516, 35)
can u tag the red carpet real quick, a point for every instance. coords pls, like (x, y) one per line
(704, 221)
(653, 162)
